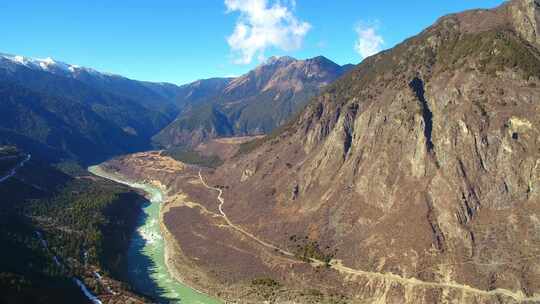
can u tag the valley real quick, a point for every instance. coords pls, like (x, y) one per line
(148, 272)
(410, 178)
(421, 204)
(214, 211)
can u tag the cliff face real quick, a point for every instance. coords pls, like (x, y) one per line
(424, 161)
(524, 18)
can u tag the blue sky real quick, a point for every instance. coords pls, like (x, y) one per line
(180, 41)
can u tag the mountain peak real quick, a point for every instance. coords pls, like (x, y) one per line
(320, 58)
(256, 102)
(287, 60)
(521, 16)
(50, 65)
(279, 59)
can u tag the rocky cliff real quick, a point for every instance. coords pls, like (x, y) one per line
(423, 162)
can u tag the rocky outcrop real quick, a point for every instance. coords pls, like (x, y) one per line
(525, 19)
(422, 162)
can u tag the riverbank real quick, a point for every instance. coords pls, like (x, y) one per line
(172, 254)
(157, 245)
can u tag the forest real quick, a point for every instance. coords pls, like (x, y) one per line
(54, 226)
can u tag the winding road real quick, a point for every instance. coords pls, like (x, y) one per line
(338, 266)
(13, 171)
(237, 228)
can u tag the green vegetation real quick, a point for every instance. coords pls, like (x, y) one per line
(306, 250)
(197, 124)
(494, 50)
(249, 146)
(81, 124)
(9, 158)
(266, 288)
(8, 163)
(84, 222)
(268, 282)
(87, 216)
(71, 167)
(193, 157)
(272, 291)
(207, 117)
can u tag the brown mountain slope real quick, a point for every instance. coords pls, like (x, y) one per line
(423, 162)
(254, 103)
(413, 179)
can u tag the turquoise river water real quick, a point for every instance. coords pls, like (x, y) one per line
(148, 273)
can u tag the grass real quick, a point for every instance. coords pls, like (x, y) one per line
(269, 282)
(306, 249)
(71, 168)
(494, 51)
(249, 146)
(266, 288)
(193, 157)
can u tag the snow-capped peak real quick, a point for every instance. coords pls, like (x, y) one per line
(50, 65)
(19, 59)
(48, 60)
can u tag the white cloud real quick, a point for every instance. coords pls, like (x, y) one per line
(262, 25)
(368, 42)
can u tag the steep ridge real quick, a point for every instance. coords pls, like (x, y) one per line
(254, 103)
(423, 162)
(60, 111)
(160, 96)
(51, 113)
(191, 94)
(44, 124)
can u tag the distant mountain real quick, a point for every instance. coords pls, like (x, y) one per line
(160, 95)
(200, 91)
(85, 114)
(167, 97)
(255, 103)
(59, 127)
(59, 110)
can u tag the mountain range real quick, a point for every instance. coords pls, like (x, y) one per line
(413, 177)
(252, 104)
(79, 112)
(83, 114)
(422, 162)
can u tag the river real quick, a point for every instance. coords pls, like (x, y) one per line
(148, 273)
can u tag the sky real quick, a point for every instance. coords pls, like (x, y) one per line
(180, 41)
